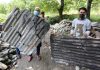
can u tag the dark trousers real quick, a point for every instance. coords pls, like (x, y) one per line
(38, 49)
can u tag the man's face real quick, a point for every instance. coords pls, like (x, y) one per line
(82, 12)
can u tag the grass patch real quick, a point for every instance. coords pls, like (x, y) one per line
(95, 18)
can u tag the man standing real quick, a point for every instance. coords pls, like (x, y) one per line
(37, 13)
(42, 15)
(81, 26)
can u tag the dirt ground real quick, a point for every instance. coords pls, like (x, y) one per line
(46, 63)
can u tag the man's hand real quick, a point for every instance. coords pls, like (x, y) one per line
(86, 34)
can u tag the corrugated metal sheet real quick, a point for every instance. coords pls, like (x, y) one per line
(78, 51)
(25, 31)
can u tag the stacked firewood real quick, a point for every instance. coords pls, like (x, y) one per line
(8, 56)
(61, 28)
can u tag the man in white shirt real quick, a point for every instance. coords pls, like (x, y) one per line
(81, 26)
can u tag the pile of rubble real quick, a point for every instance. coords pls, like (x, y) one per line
(8, 57)
(61, 28)
(95, 30)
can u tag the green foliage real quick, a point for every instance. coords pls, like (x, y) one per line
(2, 8)
(18, 3)
(50, 6)
(56, 19)
(95, 18)
(96, 5)
(53, 20)
(46, 5)
(2, 17)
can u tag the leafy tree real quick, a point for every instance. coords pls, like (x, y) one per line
(61, 8)
(51, 5)
(2, 9)
(89, 2)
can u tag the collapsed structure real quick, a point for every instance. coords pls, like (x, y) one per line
(82, 52)
(22, 30)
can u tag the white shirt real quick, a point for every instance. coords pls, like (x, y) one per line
(80, 26)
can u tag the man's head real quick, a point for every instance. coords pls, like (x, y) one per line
(42, 14)
(82, 13)
(37, 11)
